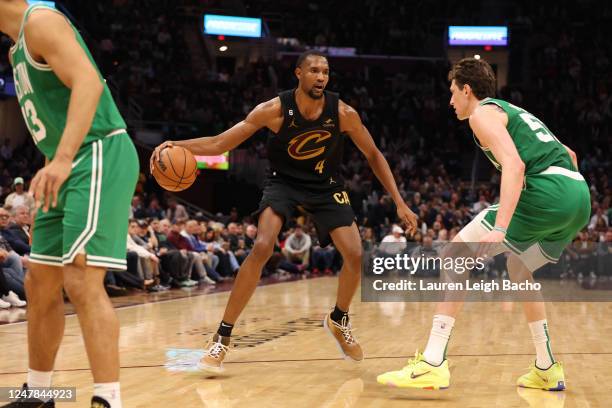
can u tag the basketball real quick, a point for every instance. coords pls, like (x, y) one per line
(176, 169)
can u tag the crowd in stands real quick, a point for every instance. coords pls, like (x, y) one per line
(17, 166)
(141, 49)
(14, 250)
(169, 247)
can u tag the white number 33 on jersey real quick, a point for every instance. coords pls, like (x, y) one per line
(34, 124)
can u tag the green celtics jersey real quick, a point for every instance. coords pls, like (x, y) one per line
(535, 143)
(44, 99)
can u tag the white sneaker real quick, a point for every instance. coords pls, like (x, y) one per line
(13, 300)
(4, 305)
(209, 281)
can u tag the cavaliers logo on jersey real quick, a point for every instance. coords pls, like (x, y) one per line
(308, 145)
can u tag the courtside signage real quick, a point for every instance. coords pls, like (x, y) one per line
(477, 35)
(220, 162)
(233, 26)
(45, 3)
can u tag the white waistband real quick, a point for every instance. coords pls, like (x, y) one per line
(564, 172)
(116, 132)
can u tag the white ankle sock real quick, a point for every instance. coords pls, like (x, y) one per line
(111, 392)
(541, 341)
(39, 379)
(435, 351)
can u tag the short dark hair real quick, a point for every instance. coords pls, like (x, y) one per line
(307, 54)
(476, 73)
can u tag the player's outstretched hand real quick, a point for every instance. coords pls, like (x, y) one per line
(157, 152)
(407, 218)
(47, 182)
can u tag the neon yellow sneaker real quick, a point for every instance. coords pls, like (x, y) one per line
(418, 374)
(551, 379)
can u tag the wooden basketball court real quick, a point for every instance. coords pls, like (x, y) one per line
(284, 358)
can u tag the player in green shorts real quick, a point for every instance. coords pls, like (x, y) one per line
(544, 203)
(83, 193)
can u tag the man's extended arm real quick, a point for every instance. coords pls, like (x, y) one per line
(258, 118)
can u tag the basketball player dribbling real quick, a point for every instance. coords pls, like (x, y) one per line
(544, 202)
(307, 127)
(80, 229)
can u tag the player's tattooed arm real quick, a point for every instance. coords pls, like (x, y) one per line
(350, 123)
(490, 129)
(267, 114)
(51, 40)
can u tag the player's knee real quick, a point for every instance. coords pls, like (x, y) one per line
(517, 271)
(263, 249)
(76, 291)
(42, 282)
(42, 298)
(353, 255)
(81, 290)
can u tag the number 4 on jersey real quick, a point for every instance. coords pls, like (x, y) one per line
(319, 166)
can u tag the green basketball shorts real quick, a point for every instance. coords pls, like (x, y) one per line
(554, 206)
(92, 211)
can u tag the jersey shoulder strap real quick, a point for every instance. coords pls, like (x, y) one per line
(287, 100)
(497, 102)
(21, 38)
(332, 100)
(510, 110)
(36, 7)
(288, 108)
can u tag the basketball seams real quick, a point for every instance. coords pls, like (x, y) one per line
(167, 182)
(171, 165)
(183, 173)
(193, 173)
(195, 170)
(174, 187)
(159, 173)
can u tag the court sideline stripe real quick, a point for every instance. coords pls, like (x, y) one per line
(323, 359)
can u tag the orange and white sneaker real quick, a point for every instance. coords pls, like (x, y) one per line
(214, 354)
(342, 334)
